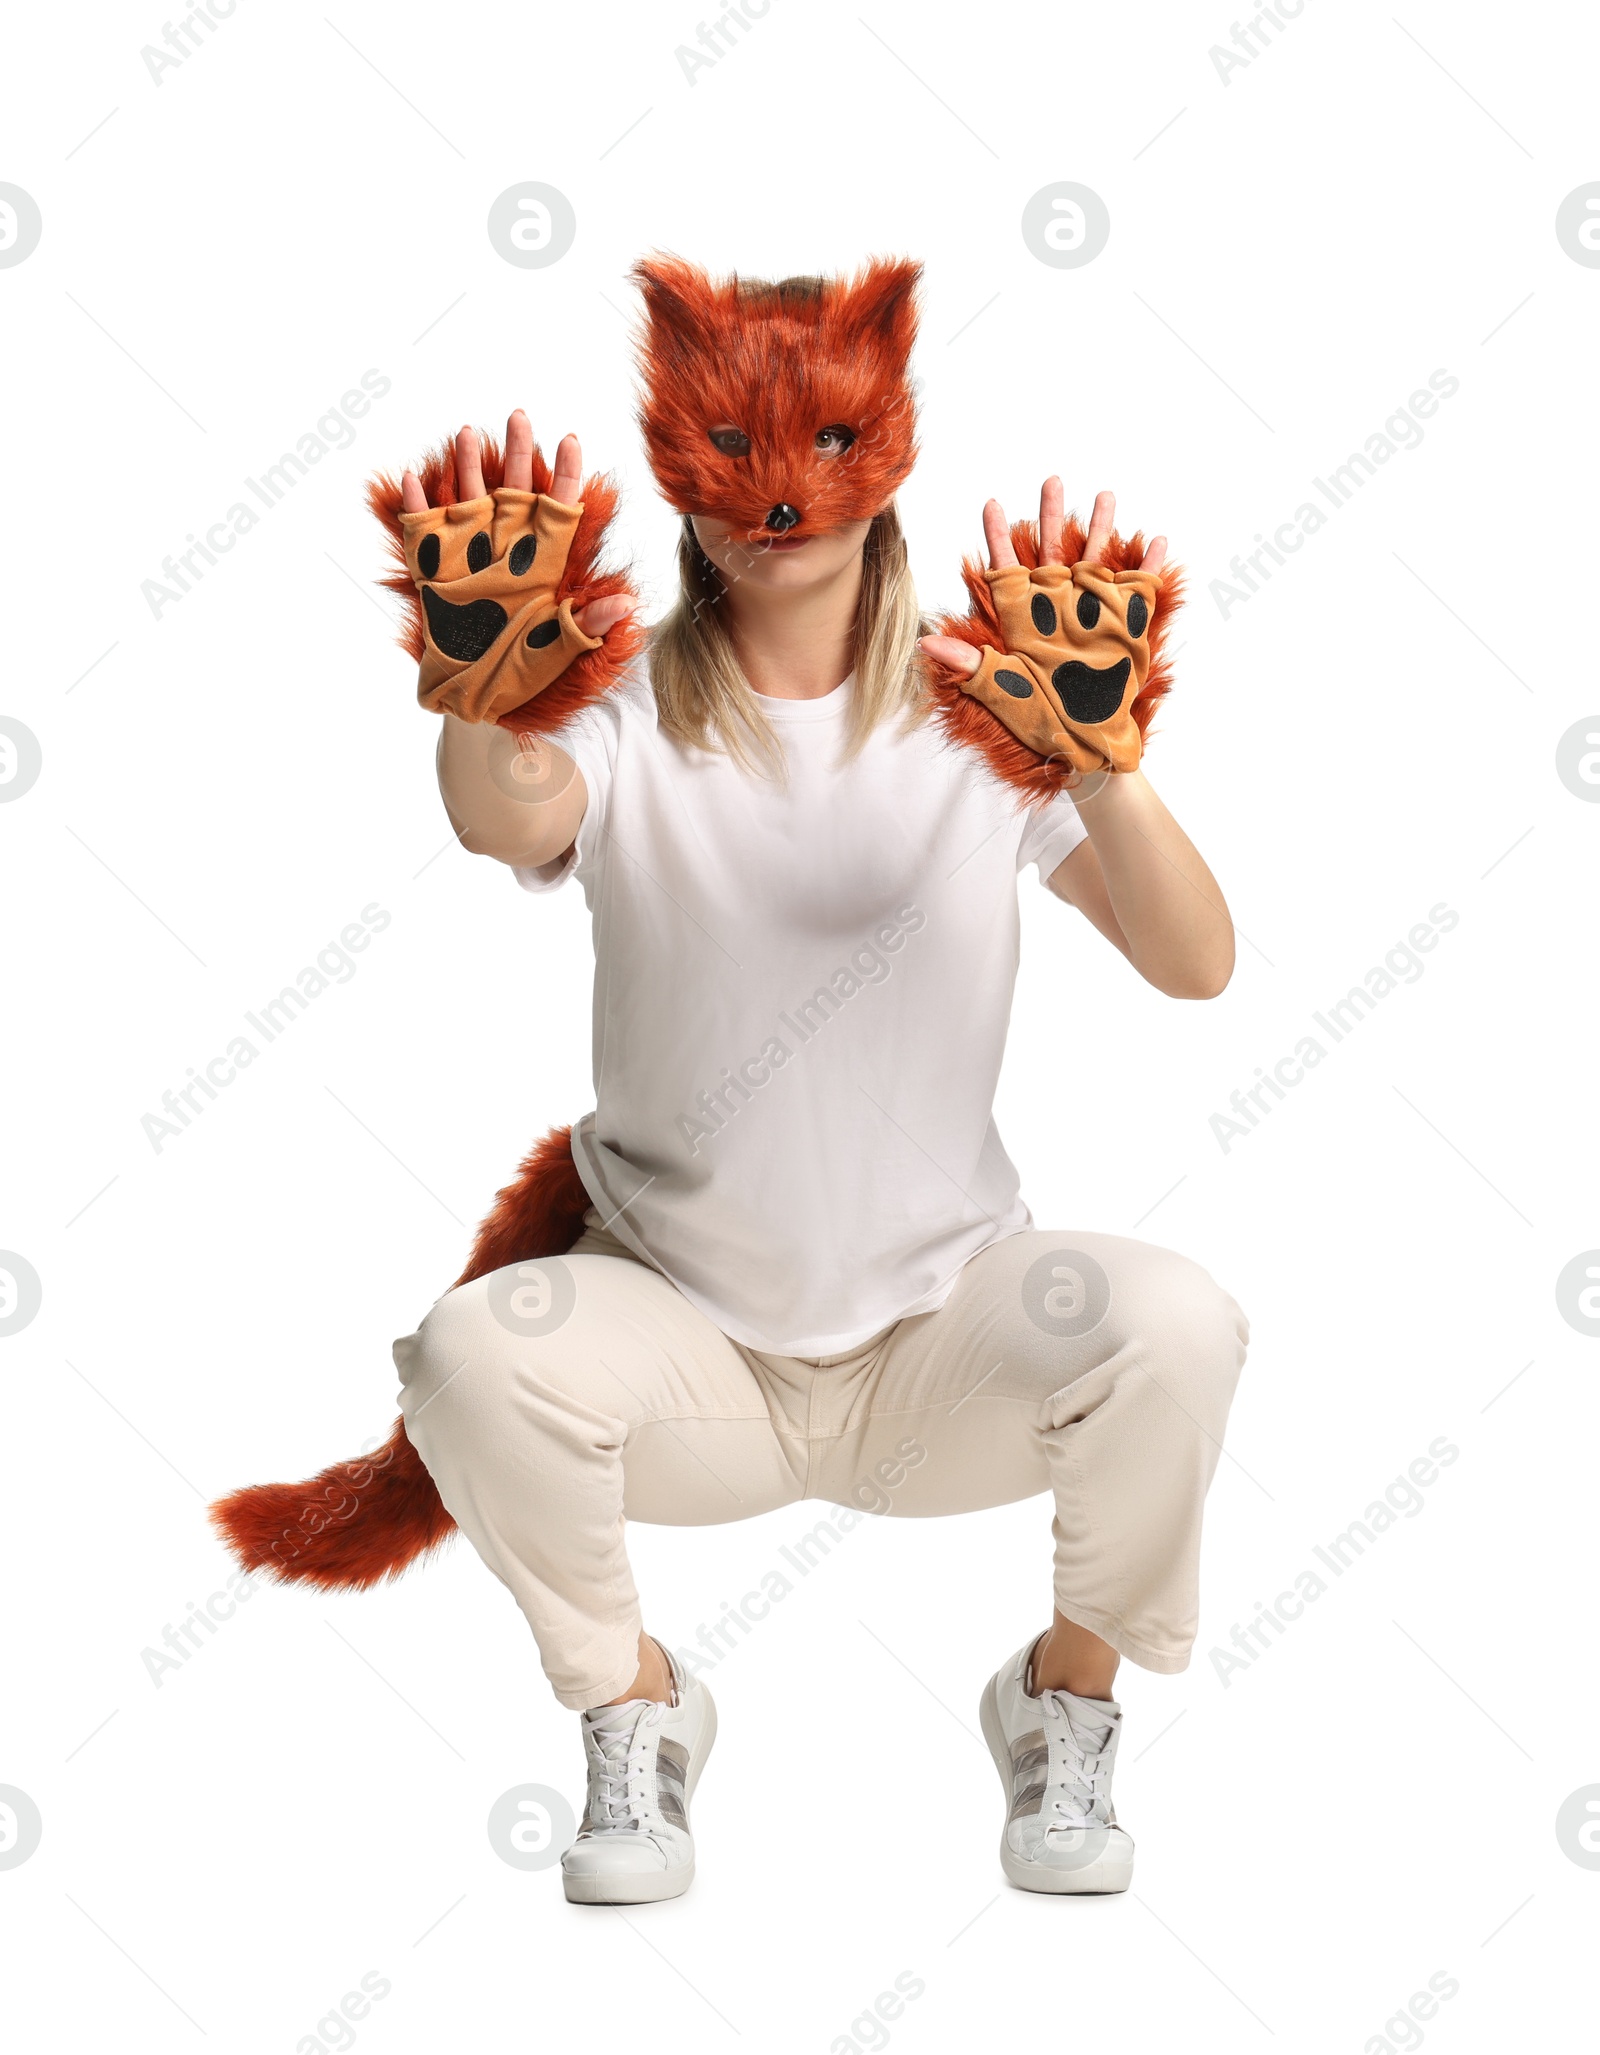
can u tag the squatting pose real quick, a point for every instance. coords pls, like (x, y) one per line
(786, 1256)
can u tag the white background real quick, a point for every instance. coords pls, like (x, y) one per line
(227, 1851)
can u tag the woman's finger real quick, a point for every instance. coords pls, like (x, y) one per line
(1156, 555)
(953, 654)
(566, 480)
(412, 497)
(997, 533)
(1050, 510)
(1105, 505)
(519, 452)
(469, 471)
(601, 614)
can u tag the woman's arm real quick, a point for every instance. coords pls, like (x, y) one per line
(1141, 881)
(521, 803)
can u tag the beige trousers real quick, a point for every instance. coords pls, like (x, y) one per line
(555, 1400)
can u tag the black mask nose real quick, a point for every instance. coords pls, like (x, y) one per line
(783, 516)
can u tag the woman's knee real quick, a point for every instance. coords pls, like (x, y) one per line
(485, 1333)
(455, 1335)
(535, 1338)
(1192, 1332)
(517, 1311)
(1105, 1300)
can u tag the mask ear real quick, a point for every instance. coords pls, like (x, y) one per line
(880, 307)
(679, 300)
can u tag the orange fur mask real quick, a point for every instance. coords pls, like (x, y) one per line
(781, 365)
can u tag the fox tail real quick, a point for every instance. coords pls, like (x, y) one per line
(358, 1522)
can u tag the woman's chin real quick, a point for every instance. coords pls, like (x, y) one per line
(789, 570)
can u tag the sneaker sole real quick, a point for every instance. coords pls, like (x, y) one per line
(649, 1887)
(1108, 1873)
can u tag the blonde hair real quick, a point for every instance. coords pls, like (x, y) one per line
(702, 695)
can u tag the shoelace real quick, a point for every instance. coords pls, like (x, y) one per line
(1080, 1766)
(617, 1802)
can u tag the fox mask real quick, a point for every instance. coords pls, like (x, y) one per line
(807, 379)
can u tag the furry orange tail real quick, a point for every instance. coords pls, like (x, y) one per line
(356, 1523)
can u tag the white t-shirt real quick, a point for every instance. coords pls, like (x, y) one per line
(800, 1006)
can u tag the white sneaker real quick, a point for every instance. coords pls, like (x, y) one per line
(634, 1846)
(1055, 1755)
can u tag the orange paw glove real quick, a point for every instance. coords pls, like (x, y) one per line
(487, 572)
(489, 587)
(1076, 657)
(1070, 663)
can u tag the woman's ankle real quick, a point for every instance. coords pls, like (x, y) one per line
(1067, 1657)
(653, 1679)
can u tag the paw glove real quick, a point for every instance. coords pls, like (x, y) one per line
(1076, 656)
(487, 572)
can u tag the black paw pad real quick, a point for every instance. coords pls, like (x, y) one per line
(480, 551)
(1044, 613)
(1138, 615)
(1090, 696)
(1088, 610)
(1014, 682)
(462, 633)
(428, 556)
(522, 556)
(542, 636)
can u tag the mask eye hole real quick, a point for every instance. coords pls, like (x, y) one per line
(834, 440)
(733, 442)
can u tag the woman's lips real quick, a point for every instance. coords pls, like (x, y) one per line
(773, 542)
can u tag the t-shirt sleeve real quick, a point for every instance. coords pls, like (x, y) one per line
(591, 739)
(1052, 832)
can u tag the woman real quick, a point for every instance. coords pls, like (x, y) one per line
(806, 1253)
